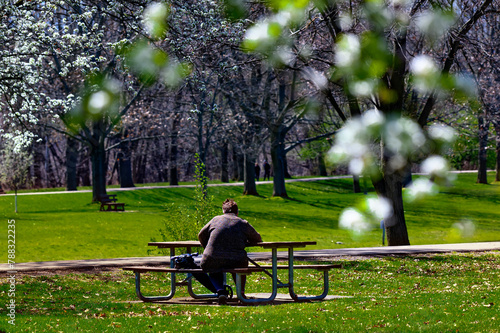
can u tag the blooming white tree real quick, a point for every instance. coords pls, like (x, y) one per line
(68, 66)
(379, 60)
(14, 167)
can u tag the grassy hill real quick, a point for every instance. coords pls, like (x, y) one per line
(63, 226)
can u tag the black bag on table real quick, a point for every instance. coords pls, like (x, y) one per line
(187, 261)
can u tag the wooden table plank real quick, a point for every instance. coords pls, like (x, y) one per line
(268, 245)
(173, 245)
(265, 245)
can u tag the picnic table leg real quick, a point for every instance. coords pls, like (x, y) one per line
(149, 298)
(274, 283)
(198, 296)
(311, 298)
(290, 274)
(293, 295)
(188, 279)
(157, 298)
(172, 275)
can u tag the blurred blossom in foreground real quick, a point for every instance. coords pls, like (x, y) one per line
(442, 133)
(366, 216)
(315, 77)
(354, 143)
(357, 144)
(403, 136)
(379, 207)
(434, 23)
(363, 88)
(436, 167)
(423, 65)
(155, 19)
(425, 73)
(352, 219)
(419, 189)
(99, 101)
(460, 230)
(348, 50)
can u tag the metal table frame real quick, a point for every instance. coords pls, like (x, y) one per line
(276, 283)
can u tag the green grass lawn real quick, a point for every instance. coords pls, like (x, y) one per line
(67, 226)
(439, 293)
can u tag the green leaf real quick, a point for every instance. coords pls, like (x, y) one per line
(235, 9)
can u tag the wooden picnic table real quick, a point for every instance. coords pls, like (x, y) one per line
(273, 268)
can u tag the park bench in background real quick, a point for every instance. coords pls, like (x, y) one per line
(109, 204)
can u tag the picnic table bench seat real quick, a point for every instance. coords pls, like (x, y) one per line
(320, 267)
(324, 268)
(271, 271)
(187, 282)
(143, 269)
(247, 270)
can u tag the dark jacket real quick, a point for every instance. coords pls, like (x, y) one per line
(224, 239)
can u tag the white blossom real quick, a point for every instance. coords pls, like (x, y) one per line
(348, 50)
(352, 219)
(380, 208)
(435, 166)
(419, 189)
(423, 66)
(442, 133)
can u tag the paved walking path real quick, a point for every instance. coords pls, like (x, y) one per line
(300, 255)
(140, 187)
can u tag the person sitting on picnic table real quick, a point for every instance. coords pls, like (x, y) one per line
(224, 239)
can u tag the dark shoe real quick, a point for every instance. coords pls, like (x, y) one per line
(222, 300)
(223, 296)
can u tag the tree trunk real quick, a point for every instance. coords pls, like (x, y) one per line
(285, 166)
(125, 165)
(71, 163)
(174, 172)
(355, 184)
(224, 172)
(277, 153)
(395, 226)
(126, 179)
(407, 177)
(238, 165)
(37, 168)
(83, 170)
(322, 165)
(139, 161)
(236, 175)
(15, 199)
(482, 177)
(145, 161)
(390, 187)
(250, 188)
(99, 168)
(50, 167)
(497, 131)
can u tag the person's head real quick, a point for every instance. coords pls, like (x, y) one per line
(230, 206)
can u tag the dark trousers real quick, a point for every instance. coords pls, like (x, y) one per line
(218, 280)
